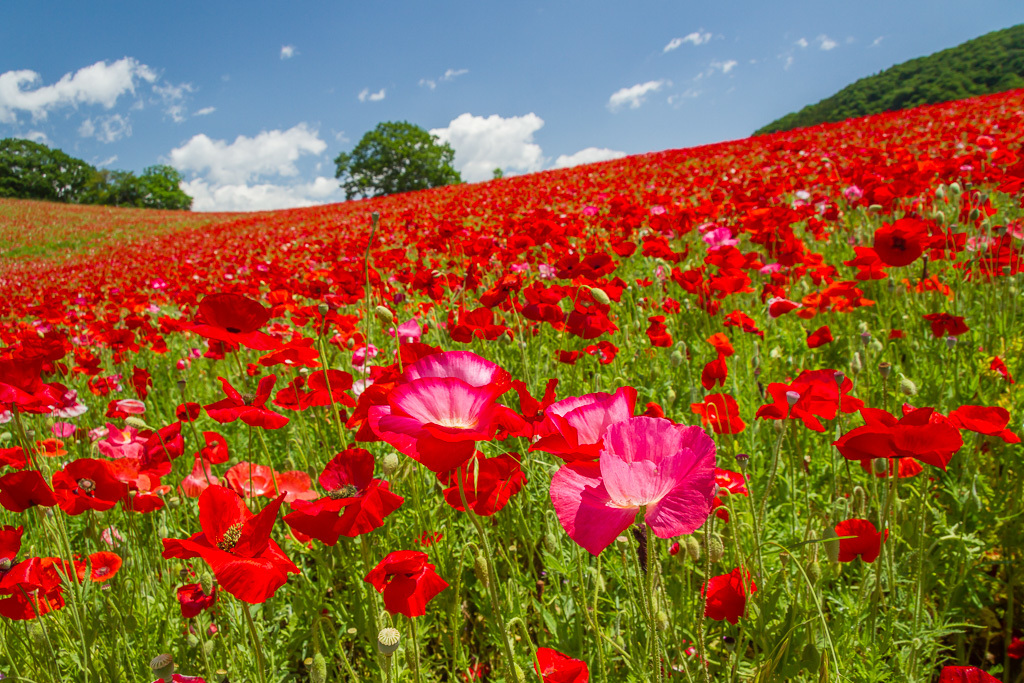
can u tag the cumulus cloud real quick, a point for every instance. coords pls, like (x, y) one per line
(695, 38)
(209, 196)
(107, 162)
(826, 43)
(634, 96)
(37, 136)
(106, 129)
(366, 95)
(287, 51)
(802, 43)
(173, 98)
(725, 67)
(269, 153)
(590, 155)
(484, 144)
(205, 111)
(100, 83)
(449, 75)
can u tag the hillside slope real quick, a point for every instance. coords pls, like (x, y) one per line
(991, 63)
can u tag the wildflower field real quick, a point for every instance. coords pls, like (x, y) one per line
(742, 412)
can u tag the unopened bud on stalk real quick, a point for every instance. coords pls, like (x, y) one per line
(884, 369)
(813, 572)
(856, 364)
(661, 620)
(839, 376)
(670, 397)
(940, 218)
(206, 583)
(860, 501)
(676, 358)
(954, 189)
(692, 548)
(973, 215)
(907, 387)
(875, 208)
(6, 437)
(716, 549)
(136, 422)
(880, 466)
(831, 545)
(35, 632)
(384, 314)
(317, 669)
(480, 570)
(389, 464)
(550, 542)
(940, 192)
(323, 308)
(600, 296)
(387, 641)
(162, 666)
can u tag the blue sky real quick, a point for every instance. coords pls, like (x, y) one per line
(252, 101)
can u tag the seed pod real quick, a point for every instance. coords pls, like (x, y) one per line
(162, 666)
(716, 549)
(387, 641)
(323, 308)
(884, 369)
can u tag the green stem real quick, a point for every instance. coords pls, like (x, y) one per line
(256, 644)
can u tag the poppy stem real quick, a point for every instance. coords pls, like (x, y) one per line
(257, 646)
(415, 661)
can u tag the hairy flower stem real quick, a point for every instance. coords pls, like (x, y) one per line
(647, 586)
(516, 621)
(415, 650)
(256, 644)
(492, 587)
(374, 222)
(771, 477)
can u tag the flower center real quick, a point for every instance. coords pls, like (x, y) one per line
(457, 422)
(231, 537)
(233, 330)
(86, 485)
(102, 571)
(899, 243)
(346, 491)
(248, 398)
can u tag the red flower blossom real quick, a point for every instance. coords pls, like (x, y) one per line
(657, 332)
(820, 337)
(488, 483)
(407, 582)
(901, 243)
(356, 503)
(921, 434)
(989, 420)
(818, 396)
(103, 566)
(721, 412)
(714, 372)
(22, 387)
(13, 457)
(87, 484)
(573, 428)
(28, 588)
(235, 320)
(193, 600)
(965, 674)
(554, 667)
(726, 596)
(944, 324)
(250, 410)
(999, 365)
(866, 542)
(236, 545)
(21, 490)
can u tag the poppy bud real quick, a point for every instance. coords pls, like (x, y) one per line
(384, 314)
(600, 296)
(661, 620)
(940, 192)
(813, 572)
(692, 548)
(875, 208)
(973, 215)
(520, 676)
(670, 397)
(860, 501)
(192, 640)
(206, 583)
(880, 466)
(716, 549)
(954, 189)
(675, 359)
(6, 437)
(389, 464)
(35, 632)
(136, 422)
(831, 545)
(856, 365)
(323, 308)
(884, 369)
(550, 543)
(317, 669)
(940, 218)
(907, 387)
(480, 570)
(387, 641)
(839, 376)
(162, 666)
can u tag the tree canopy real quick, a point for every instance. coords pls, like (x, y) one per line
(395, 157)
(991, 63)
(30, 170)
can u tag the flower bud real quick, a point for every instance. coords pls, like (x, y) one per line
(550, 542)
(676, 359)
(950, 342)
(162, 666)
(831, 545)
(716, 549)
(389, 464)
(661, 620)
(600, 296)
(387, 641)
(860, 501)
(875, 208)
(670, 397)
(136, 422)
(692, 548)
(907, 387)
(384, 314)
(856, 364)
(880, 466)
(813, 572)
(973, 215)
(480, 570)
(206, 583)
(323, 308)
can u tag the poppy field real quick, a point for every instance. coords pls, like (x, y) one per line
(741, 412)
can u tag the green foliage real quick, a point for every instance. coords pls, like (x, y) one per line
(30, 170)
(396, 157)
(989, 64)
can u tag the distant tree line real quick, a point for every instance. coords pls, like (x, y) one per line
(991, 63)
(30, 170)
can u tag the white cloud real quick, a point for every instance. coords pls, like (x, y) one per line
(726, 66)
(590, 155)
(826, 43)
(269, 153)
(633, 96)
(877, 41)
(341, 137)
(100, 83)
(260, 197)
(451, 74)
(696, 38)
(689, 93)
(108, 161)
(484, 144)
(287, 51)
(428, 82)
(205, 111)
(173, 97)
(789, 62)
(372, 96)
(106, 128)
(37, 136)
(802, 43)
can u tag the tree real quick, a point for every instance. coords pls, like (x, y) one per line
(160, 188)
(29, 170)
(396, 157)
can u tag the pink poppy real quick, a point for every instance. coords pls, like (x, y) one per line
(573, 428)
(650, 463)
(122, 443)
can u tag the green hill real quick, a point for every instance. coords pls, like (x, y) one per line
(989, 64)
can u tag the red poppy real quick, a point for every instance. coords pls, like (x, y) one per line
(944, 324)
(554, 667)
(866, 542)
(251, 410)
(407, 582)
(87, 484)
(721, 412)
(820, 337)
(216, 449)
(965, 674)
(234, 320)
(294, 354)
(103, 566)
(141, 382)
(193, 600)
(22, 387)
(902, 242)
(199, 479)
(236, 544)
(819, 396)
(726, 596)
(921, 434)
(657, 332)
(728, 483)
(989, 420)
(487, 483)
(318, 395)
(188, 412)
(907, 467)
(21, 490)
(250, 479)
(714, 372)
(13, 457)
(356, 503)
(999, 365)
